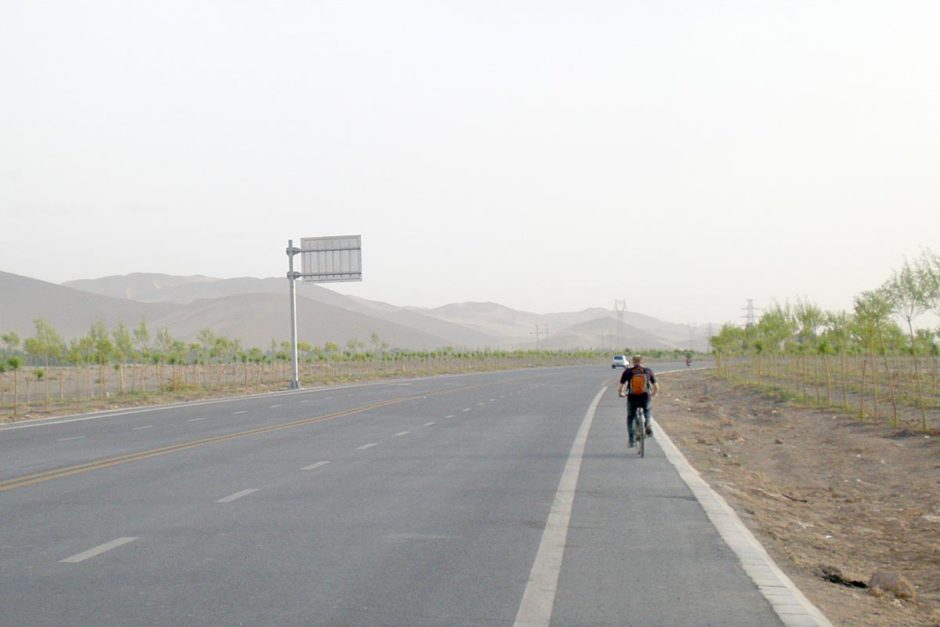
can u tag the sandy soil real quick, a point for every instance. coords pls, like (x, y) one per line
(830, 497)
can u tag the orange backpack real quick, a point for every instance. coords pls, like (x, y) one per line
(638, 381)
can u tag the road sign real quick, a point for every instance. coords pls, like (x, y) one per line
(331, 259)
(323, 260)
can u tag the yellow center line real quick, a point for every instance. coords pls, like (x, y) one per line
(59, 473)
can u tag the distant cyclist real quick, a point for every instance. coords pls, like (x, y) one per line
(688, 360)
(638, 384)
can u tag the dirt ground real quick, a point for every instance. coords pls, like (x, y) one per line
(831, 498)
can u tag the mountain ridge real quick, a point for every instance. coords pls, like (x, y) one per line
(255, 311)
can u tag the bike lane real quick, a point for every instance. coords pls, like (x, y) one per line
(642, 549)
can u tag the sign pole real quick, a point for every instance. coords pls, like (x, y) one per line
(324, 260)
(292, 277)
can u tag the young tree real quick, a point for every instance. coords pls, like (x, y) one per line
(776, 328)
(123, 350)
(912, 292)
(45, 345)
(810, 319)
(102, 349)
(14, 363)
(872, 322)
(143, 353)
(838, 336)
(11, 340)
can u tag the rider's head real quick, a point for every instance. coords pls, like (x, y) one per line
(637, 360)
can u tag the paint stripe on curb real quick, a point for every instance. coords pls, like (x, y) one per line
(790, 604)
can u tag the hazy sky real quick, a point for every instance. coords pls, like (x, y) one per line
(547, 155)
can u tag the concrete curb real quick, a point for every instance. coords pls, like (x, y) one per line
(793, 608)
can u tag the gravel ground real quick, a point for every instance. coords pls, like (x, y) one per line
(833, 499)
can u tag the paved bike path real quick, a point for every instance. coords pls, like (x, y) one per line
(640, 549)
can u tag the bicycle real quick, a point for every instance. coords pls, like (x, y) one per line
(639, 430)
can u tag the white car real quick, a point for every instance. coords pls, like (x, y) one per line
(619, 361)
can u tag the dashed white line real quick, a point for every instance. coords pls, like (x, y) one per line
(77, 437)
(196, 419)
(466, 409)
(237, 495)
(274, 406)
(365, 446)
(430, 424)
(492, 400)
(98, 550)
(316, 465)
(142, 428)
(240, 411)
(401, 433)
(480, 404)
(448, 416)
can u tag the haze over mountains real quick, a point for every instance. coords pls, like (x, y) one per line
(256, 311)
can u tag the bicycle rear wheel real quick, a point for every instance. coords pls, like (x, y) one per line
(640, 430)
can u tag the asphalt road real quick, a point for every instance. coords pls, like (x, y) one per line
(425, 502)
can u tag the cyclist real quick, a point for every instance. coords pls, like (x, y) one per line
(638, 384)
(688, 360)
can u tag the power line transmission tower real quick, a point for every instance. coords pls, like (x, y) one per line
(538, 331)
(751, 316)
(620, 306)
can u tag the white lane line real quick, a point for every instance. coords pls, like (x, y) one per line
(492, 400)
(539, 596)
(466, 409)
(237, 495)
(77, 437)
(196, 419)
(98, 550)
(240, 411)
(401, 433)
(448, 416)
(429, 424)
(142, 428)
(365, 446)
(480, 404)
(274, 406)
(315, 466)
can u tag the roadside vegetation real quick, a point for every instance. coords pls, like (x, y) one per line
(863, 361)
(46, 375)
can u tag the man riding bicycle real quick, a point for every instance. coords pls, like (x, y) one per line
(638, 384)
